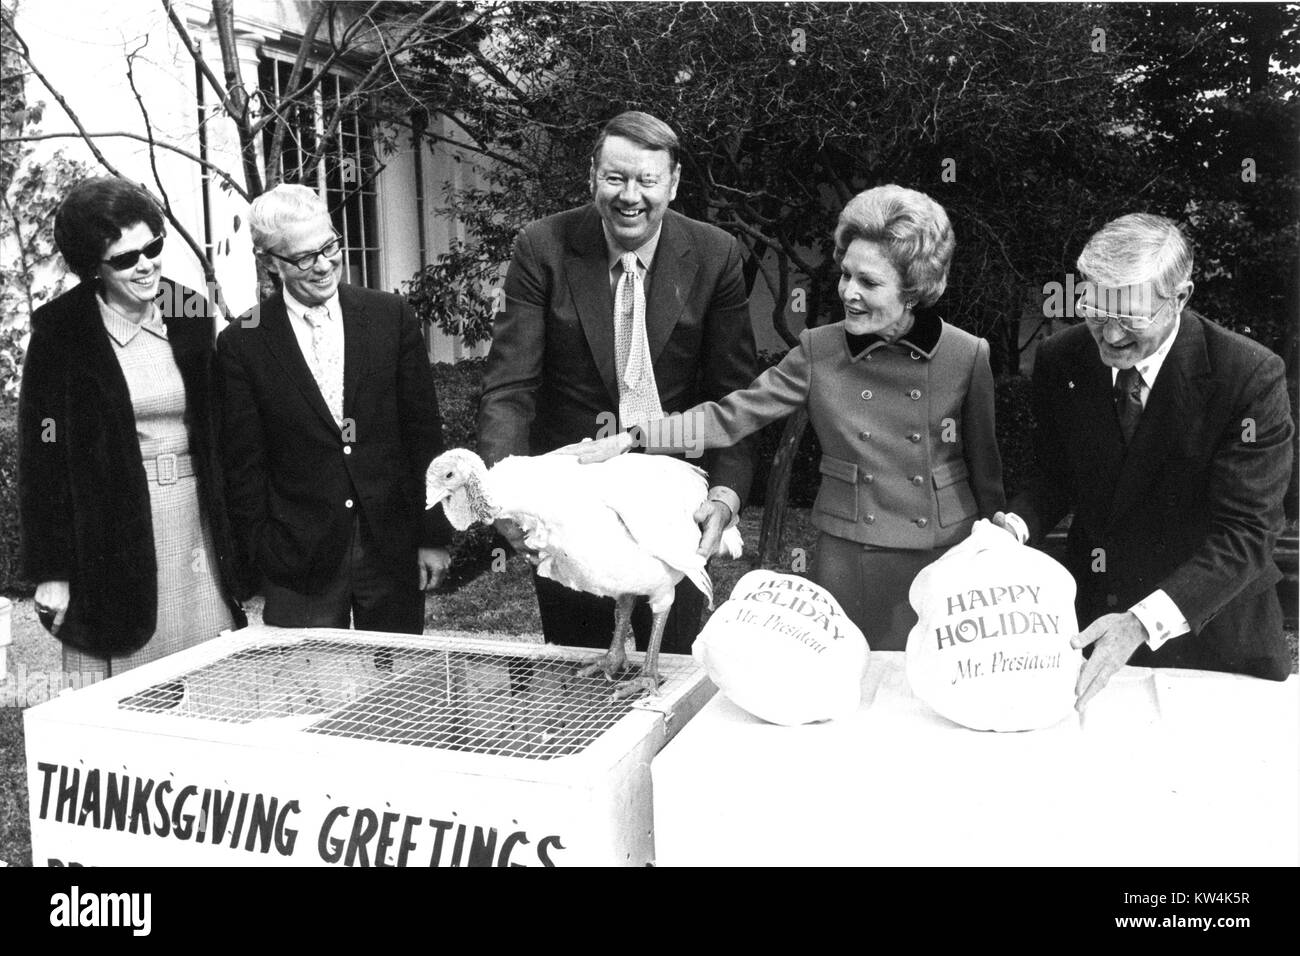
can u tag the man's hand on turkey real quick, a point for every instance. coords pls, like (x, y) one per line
(590, 452)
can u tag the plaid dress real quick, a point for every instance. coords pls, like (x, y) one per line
(190, 604)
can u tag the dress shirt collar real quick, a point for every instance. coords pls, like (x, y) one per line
(1150, 366)
(645, 253)
(298, 312)
(123, 330)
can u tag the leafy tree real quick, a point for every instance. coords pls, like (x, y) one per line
(29, 193)
(785, 111)
(1218, 95)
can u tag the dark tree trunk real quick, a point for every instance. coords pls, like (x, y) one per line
(778, 491)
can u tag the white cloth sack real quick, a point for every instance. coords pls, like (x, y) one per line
(991, 646)
(782, 648)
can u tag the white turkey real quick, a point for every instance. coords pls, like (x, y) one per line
(621, 528)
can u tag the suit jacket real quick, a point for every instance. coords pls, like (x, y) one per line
(550, 377)
(83, 496)
(296, 481)
(909, 454)
(1193, 507)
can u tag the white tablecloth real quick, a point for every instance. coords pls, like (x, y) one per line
(1166, 767)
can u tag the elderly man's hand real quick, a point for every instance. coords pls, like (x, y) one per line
(1117, 636)
(713, 517)
(51, 603)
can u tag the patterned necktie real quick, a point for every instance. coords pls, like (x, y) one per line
(1128, 401)
(638, 395)
(326, 362)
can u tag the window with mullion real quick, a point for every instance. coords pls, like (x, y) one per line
(343, 170)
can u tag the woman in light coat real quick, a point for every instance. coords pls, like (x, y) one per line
(902, 404)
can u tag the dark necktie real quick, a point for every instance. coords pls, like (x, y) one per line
(1128, 401)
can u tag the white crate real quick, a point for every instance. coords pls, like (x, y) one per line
(282, 746)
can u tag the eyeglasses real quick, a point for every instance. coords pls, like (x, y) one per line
(306, 261)
(127, 260)
(1129, 323)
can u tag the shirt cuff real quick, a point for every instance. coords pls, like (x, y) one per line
(1017, 526)
(1161, 617)
(728, 498)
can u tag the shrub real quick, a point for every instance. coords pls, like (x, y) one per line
(459, 386)
(1015, 430)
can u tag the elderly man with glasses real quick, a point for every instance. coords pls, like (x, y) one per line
(329, 420)
(1170, 440)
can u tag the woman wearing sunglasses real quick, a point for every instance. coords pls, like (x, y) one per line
(123, 524)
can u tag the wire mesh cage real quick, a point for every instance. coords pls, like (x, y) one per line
(506, 739)
(535, 706)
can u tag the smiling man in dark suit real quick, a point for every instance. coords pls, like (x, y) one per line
(1170, 439)
(329, 420)
(615, 313)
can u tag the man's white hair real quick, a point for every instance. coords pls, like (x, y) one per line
(276, 208)
(1138, 248)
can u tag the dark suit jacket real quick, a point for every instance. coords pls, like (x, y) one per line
(1194, 506)
(83, 497)
(294, 484)
(550, 374)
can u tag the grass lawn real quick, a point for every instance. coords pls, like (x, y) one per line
(500, 602)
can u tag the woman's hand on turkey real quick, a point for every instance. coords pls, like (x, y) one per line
(52, 604)
(589, 452)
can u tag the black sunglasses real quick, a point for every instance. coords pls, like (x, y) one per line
(127, 260)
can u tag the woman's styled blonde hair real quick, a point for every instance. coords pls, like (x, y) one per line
(912, 228)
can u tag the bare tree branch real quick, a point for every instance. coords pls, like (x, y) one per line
(273, 171)
(222, 174)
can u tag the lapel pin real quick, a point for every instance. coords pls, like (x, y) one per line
(1070, 384)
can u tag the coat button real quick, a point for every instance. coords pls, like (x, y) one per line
(868, 479)
(347, 449)
(916, 480)
(914, 394)
(922, 522)
(869, 519)
(864, 435)
(916, 356)
(914, 437)
(348, 503)
(866, 394)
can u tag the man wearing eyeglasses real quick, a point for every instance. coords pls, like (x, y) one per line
(618, 312)
(329, 420)
(1169, 438)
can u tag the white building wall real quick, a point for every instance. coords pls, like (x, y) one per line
(81, 44)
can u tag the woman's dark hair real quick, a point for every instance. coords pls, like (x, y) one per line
(93, 216)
